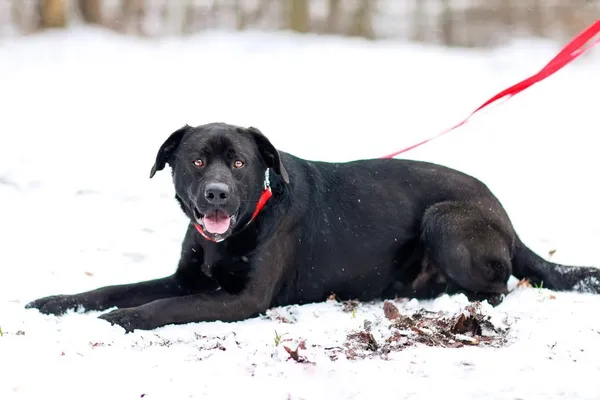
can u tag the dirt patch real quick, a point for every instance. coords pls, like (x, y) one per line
(397, 331)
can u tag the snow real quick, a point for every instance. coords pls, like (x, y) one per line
(84, 112)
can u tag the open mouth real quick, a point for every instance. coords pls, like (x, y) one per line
(216, 222)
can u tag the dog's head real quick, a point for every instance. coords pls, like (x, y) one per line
(218, 172)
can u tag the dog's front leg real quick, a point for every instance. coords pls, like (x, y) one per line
(126, 295)
(218, 306)
(187, 280)
(256, 297)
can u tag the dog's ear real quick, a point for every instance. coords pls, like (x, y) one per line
(269, 153)
(168, 147)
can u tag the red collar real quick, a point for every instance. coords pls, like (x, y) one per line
(264, 197)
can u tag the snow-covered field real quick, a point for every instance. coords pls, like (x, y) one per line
(83, 113)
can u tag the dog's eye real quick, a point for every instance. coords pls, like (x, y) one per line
(199, 163)
(238, 164)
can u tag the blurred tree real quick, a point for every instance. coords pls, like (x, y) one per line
(419, 21)
(334, 17)
(52, 14)
(574, 16)
(297, 14)
(189, 17)
(17, 15)
(362, 21)
(91, 11)
(132, 16)
(241, 16)
(506, 11)
(447, 23)
(245, 18)
(536, 18)
(477, 23)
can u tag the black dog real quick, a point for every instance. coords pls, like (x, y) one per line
(269, 229)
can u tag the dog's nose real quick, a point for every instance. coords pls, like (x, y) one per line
(216, 193)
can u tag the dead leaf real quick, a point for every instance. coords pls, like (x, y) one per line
(524, 283)
(434, 329)
(417, 330)
(466, 324)
(405, 322)
(365, 338)
(350, 305)
(294, 354)
(390, 310)
(471, 309)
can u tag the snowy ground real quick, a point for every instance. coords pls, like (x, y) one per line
(84, 113)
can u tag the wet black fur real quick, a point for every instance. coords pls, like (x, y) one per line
(365, 230)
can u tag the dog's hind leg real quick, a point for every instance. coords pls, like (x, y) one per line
(529, 265)
(469, 245)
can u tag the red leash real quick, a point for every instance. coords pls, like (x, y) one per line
(570, 52)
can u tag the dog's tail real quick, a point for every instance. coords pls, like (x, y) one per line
(529, 265)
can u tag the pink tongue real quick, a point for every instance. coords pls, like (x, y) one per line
(218, 223)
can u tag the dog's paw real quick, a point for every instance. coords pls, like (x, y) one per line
(129, 319)
(55, 305)
(495, 299)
